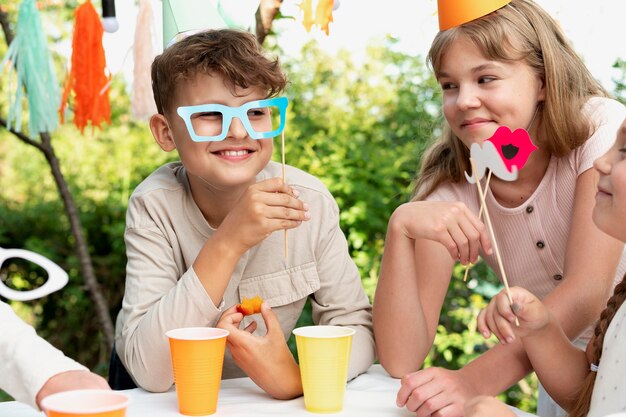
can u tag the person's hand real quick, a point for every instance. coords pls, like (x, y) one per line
(450, 223)
(484, 406)
(264, 208)
(265, 359)
(499, 316)
(70, 380)
(435, 392)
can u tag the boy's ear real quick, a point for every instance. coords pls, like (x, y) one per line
(162, 133)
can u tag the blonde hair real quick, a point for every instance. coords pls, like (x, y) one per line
(518, 31)
(581, 407)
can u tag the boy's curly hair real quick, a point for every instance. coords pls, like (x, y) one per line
(234, 55)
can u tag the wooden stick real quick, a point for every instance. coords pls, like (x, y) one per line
(282, 145)
(480, 213)
(493, 238)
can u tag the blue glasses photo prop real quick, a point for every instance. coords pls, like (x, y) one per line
(262, 119)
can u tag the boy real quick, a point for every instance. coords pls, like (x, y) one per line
(205, 232)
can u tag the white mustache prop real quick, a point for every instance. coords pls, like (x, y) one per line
(57, 277)
(488, 157)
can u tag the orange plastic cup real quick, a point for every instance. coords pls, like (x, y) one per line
(86, 403)
(197, 359)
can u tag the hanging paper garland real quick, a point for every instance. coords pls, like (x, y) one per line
(142, 102)
(323, 14)
(87, 74)
(307, 17)
(35, 74)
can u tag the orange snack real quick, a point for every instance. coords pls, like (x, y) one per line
(250, 306)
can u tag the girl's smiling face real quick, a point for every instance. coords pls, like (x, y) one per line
(609, 212)
(480, 95)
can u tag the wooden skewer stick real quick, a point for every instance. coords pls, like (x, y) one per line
(480, 213)
(493, 239)
(282, 143)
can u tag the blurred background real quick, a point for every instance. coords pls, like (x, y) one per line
(363, 108)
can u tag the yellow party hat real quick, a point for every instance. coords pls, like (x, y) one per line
(456, 12)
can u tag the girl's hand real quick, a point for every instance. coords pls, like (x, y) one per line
(499, 316)
(265, 359)
(264, 208)
(450, 223)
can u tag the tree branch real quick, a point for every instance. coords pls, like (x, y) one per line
(27, 140)
(265, 15)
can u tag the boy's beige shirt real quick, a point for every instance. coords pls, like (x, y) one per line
(165, 231)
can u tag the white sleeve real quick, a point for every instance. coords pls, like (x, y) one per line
(26, 360)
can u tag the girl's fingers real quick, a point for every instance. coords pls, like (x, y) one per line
(504, 307)
(481, 324)
(461, 241)
(504, 329)
(491, 323)
(473, 239)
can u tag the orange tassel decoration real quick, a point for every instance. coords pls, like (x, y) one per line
(87, 75)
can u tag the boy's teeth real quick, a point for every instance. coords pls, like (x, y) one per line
(234, 153)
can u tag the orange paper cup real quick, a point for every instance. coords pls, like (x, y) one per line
(86, 403)
(197, 360)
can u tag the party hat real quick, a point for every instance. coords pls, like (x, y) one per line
(456, 12)
(184, 17)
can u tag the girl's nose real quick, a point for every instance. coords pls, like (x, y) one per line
(603, 164)
(467, 98)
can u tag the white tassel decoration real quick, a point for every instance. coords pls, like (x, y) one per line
(142, 102)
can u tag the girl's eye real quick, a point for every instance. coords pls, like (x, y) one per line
(447, 86)
(484, 80)
(622, 151)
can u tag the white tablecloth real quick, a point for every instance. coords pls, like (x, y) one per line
(370, 394)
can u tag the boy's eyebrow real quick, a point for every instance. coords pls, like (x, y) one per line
(479, 68)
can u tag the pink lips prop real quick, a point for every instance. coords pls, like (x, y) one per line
(514, 147)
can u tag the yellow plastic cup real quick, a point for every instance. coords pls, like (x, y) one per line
(86, 403)
(197, 359)
(324, 356)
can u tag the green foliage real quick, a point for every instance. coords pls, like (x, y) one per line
(360, 129)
